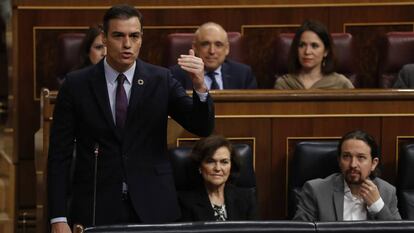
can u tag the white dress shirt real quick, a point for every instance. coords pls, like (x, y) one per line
(355, 207)
(218, 76)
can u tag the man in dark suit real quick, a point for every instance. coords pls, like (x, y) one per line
(117, 113)
(356, 193)
(405, 77)
(212, 45)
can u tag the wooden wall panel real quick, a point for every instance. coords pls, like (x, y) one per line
(46, 57)
(398, 131)
(365, 36)
(255, 19)
(214, 3)
(259, 40)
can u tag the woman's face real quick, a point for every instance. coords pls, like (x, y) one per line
(311, 51)
(216, 170)
(97, 50)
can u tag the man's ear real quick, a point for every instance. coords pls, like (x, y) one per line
(375, 162)
(194, 47)
(228, 49)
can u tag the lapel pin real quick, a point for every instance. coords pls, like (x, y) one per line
(140, 82)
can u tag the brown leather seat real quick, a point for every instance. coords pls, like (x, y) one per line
(343, 44)
(68, 52)
(395, 50)
(180, 43)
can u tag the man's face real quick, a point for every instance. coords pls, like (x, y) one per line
(356, 162)
(123, 42)
(212, 46)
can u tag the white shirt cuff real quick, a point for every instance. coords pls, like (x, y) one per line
(59, 219)
(376, 207)
(202, 96)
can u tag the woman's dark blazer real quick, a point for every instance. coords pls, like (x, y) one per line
(195, 204)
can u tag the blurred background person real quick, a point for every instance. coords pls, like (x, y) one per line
(216, 199)
(312, 61)
(212, 45)
(405, 77)
(92, 49)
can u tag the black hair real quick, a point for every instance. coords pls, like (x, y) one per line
(86, 45)
(369, 140)
(328, 65)
(122, 11)
(206, 147)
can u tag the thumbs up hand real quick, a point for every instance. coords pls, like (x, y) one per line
(195, 67)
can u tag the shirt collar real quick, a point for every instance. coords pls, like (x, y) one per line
(111, 74)
(348, 194)
(216, 71)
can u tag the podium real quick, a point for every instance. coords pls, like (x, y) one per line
(263, 226)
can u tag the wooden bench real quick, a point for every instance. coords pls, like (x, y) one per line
(273, 122)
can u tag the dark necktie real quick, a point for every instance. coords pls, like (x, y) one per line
(214, 84)
(121, 102)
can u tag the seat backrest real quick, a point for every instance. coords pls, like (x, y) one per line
(68, 51)
(311, 160)
(395, 49)
(405, 182)
(343, 44)
(180, 43)
(185, 170)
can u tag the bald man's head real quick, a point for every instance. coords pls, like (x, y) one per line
(211, 44)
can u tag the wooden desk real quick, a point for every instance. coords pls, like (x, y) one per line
(274, 121)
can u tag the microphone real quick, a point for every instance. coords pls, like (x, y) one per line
(96, 153)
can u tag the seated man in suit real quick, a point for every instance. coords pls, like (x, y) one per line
(211, 44)
(405, 77)
(355, 193)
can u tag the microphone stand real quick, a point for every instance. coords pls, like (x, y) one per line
(96, 153)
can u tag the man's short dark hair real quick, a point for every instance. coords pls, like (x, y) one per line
(369, 140)
(122, 11)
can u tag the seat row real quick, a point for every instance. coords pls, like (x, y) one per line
(311, 160)
(395, 50)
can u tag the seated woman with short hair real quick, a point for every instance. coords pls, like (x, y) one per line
(215, 198)
(311, 61)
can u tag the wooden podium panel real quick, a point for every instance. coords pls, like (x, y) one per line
(273, 121)
(277, 120)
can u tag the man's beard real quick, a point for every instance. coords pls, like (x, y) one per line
(351, 179)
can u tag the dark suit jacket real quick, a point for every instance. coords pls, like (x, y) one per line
(323, 200)
(405, 77)
(138, 155)
(195, 204)
(235, 76)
